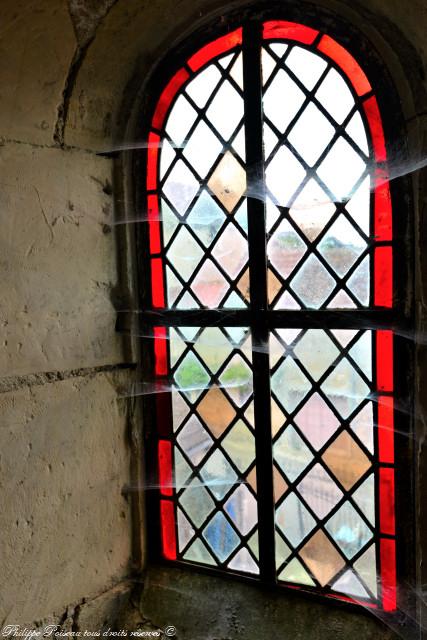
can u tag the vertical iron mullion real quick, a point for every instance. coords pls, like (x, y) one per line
(252, 82)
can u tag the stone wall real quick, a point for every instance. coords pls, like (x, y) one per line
(64, 437)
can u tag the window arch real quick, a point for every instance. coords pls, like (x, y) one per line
(270, 300)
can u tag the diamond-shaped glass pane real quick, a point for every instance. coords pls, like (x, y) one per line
(180, 187)
(312, 209)
(341, 169)
(289, 384)
(197, 503)
(182, 470)
(316, 352)
(218, 474)
(284, 175)
(282, 550)
(358, 283)
(295, 572)
(167, 156)
(285, 249)
(282, 100)
(349, 584)
(363, 426)
(316, 421)
(319, 491)
(231, 251)
(346, 460)
(311, 134)
(366, 568)
(357, 132)
(279, 484)
(291, 453)
(202, 149)
(237, 380)
(358, 207)
(294, 520)
(341, 301)
(184, 253)
(341, 246)
(239, 444)
(226, 110)
(364, 497)
(180, 409)
(228, 181)
(216, 411)
(221, 536)
(306, 65)
(335, 96)
(209, 285)
(191, 376)
(322, 558)
(187, 301)
(345, 388)
(286, 301)
(242, 509)
(213, 347)
(203, 84)
(237, 71)
(205, 219)
(185, 530)
(361, 353)
(199, 553)
(180, 120)
(268, 64)
(243, 561)
(194, 440)
(313, 283)
(239, 144)
(348, 530)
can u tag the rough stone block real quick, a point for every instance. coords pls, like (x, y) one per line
(57, 263)
(65, 523)
(37, 44)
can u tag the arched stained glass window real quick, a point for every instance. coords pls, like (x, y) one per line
(270, 251)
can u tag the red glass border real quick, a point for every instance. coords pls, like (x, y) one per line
(383, 277)
(160, 351)
(168, 94)
(385, 374)
(386, 429)
(215, 49)
(383, 224)
(165, 467)
(154, 224)
(157, 285)
(152, 157)
(373, 117)
(167, 522)
(387, 519)
(276, 29)
(388, 573)
(346, 63)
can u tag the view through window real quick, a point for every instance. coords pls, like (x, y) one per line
(270, 233)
